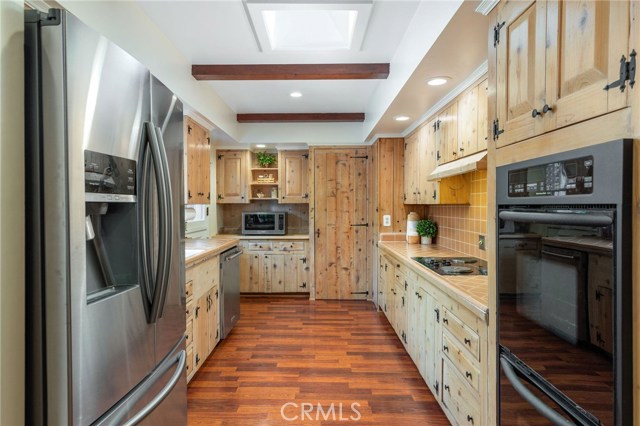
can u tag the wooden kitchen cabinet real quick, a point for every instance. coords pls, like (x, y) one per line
(553, 61)
(202, 311)
(446, 134)
(275, 266)
(483, 119)
(232, 173)
(294, 177)
(198, 162)
(468, 123)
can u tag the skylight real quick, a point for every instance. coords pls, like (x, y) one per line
(309, 26)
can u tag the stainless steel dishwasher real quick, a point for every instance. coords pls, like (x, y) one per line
(229, 289)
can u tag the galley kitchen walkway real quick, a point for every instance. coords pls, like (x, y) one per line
(290, 361)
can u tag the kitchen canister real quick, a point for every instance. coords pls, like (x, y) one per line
(412, 234)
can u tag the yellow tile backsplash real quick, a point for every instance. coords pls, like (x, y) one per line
(460, 227)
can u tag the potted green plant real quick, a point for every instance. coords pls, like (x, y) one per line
(265, 159)
(427, 229)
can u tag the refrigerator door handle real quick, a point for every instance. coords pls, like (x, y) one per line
(168, 229)
(181, 359)
(548, 412)
(154, 282)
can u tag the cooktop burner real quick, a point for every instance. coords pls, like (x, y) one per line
(454, 265)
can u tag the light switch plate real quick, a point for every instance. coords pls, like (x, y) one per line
(386, 220)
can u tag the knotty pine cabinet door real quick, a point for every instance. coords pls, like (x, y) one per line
(341, 223)
(483, 120)
(232, 168)
(447, 134)
(294, 177)
(468, 123)
(411, 169)
(429, 189)
(554, 59)
(198, 146)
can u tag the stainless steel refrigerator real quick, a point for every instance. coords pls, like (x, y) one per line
(105, 233)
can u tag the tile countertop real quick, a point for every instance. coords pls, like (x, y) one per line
(265, 237)
(472, 291)
(196, 250)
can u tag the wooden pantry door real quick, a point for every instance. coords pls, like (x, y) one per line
(341, 223)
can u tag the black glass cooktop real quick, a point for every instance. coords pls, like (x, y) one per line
(454, 265)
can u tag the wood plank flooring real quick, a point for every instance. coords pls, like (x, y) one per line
(302, 353)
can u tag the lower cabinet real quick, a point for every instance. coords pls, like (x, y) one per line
(274, 266)
(446, 340)
(202, 312)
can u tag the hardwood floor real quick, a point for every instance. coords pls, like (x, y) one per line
(300, 353)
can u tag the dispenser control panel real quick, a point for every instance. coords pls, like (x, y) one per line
(561, 178)
(109, 178)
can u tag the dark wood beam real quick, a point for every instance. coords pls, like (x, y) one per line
(301, 117)
(291, 72)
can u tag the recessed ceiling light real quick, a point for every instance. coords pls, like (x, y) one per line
(295, 94)
(438, 81)
(401, 117)
(261, 145)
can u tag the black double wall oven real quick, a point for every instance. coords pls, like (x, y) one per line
(564, 288)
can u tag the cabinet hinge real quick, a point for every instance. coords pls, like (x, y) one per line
(197, 311)
(405, 146)
(188, 129)
(306, 156)
(404, 196)
(208, 195)
(437, 387)
(208, 141)
(627, 73)
(497, 131)
(197, 359)
(496, 34)
(598, 294)
(437, 311)
(304, 260)
(438, 155)
(220, 197)
(189, 194)
(220, 156)
(217, 333)
(216, 294)
(438, 124)
(304, 285)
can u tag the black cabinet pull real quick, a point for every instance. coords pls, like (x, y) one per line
(535, 113)
(445, 348)
(467, 341)
(445, 320)
(469, 419)
(447, 388)
(468, 374)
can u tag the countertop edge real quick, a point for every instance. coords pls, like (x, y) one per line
(212, 246)
(265, 237)
(480, 308)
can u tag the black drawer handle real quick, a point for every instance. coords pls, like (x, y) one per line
(468, 375)
(446, 387)
(445, 348)
(467, 341)
(445, 320)
(469, 419)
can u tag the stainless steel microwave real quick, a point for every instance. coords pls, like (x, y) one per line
(264, 223)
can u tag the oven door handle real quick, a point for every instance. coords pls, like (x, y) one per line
(557, 218)
(563, 256)
(548, 412)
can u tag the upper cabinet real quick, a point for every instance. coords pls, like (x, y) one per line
(553, 62)
(446, 134)
(198, 163)
(294, 177)
(231, 171)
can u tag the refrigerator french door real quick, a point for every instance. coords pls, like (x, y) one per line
(564, 304)
(105, 237)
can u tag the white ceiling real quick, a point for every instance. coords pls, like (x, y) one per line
(219, 32)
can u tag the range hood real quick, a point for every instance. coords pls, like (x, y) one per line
(464, 165)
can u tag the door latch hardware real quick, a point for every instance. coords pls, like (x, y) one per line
(496, 33)
(627, 73)
(497, 131)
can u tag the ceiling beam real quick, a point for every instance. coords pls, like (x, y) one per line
(291, 72)
(301, 117)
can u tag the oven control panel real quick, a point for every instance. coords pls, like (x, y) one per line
(561, 178)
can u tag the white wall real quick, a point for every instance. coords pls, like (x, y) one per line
(12, 319)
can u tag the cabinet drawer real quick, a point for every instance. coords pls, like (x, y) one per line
(189, 360)
(458, 399)
(259, 246)
(189, 309)
(189, 332)
(189, 290)
(460, 360)
(288, 245)
(468, 338)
